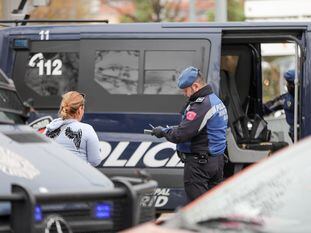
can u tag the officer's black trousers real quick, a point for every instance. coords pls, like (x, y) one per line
(200, 177)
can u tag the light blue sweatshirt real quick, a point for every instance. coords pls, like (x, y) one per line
(77, 137)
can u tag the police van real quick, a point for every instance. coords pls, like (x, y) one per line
(129, 72)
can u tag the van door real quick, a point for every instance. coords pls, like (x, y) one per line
(253, 86)
(130, 84)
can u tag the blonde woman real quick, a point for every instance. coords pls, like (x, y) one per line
(67, 130)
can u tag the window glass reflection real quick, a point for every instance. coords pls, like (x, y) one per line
(52, 74)
(162, 70)
(117, 71)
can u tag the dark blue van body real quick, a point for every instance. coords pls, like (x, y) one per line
(128, 73)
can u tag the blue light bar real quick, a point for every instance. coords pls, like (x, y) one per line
(38, 213)
(102, 210)
(21, 44)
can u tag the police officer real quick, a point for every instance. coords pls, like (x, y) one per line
(285, 101)
(200, 136)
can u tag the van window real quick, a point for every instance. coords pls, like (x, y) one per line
(277, 58)
(52, 74)
(46, 70)
(161, 75)
(117, 71)
(124, 74)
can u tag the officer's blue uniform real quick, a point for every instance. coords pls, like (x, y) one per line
(286, 102)
(203, 126)
(200, 137)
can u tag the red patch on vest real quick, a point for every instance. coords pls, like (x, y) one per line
(190, 116)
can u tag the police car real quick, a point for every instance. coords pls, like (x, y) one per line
(45, 188)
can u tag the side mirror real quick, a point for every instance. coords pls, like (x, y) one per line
(41, 123)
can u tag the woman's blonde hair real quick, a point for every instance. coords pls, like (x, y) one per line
(71, 101)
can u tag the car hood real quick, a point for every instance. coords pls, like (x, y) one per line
(35, 161)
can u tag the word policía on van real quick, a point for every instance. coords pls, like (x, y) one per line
(158, 155)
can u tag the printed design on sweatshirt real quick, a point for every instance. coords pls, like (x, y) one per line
(75, 135)
(53, 133)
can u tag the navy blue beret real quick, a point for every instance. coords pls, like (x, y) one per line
(187, 77)
(290, 75)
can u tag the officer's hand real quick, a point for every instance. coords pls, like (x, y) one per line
(158, 131)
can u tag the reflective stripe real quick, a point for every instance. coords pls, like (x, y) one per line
(207, 116)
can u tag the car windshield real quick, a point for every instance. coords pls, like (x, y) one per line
(273, 196)
(11, 107)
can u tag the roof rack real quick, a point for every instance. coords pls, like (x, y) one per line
(25, 21)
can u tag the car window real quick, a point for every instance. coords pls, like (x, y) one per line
(10, 118)
(9, 100)
(11, 107)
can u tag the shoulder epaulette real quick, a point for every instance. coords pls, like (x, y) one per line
(200, 99)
